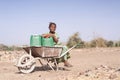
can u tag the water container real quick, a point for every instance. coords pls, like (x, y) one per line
(47, 42)
(35, 40)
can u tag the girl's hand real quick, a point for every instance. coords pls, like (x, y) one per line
(50, 35)
(47, 35)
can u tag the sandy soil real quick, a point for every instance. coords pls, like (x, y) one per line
(88, 64)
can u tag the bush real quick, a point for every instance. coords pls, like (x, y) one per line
(3, 47)
(110, 44)
(74, 39)
(9, 48)
(117, 44)
(98, 42)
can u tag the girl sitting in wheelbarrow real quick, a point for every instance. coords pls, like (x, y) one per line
(53, 34)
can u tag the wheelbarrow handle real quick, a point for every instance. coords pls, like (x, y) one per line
(68, 50)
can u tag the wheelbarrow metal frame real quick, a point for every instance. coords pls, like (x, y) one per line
(48, 59)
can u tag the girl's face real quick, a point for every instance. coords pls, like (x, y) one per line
(52, 28)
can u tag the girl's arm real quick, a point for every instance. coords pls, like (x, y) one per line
(51, 35)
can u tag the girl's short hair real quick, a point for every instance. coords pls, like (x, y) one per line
(51, 23)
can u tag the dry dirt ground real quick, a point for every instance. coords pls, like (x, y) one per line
(88, 64)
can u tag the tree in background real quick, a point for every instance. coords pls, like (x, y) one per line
(74, 39)
(110, 44)
(117, 44)
(98, 42)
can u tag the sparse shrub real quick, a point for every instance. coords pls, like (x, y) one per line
(9, 48)
(74, 39)
(110, 43)
(3, 47)
(117, 44)
(98, 42)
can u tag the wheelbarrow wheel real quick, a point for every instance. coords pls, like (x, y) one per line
(27, 64)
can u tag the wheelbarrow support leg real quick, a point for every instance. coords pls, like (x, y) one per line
(56, 64)
(50, 65)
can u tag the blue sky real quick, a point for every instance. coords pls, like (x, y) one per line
(21, 18)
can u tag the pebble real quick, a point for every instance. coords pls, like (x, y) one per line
(112, 76)
(102, 72)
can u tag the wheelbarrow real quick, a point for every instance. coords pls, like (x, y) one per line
(26, 63)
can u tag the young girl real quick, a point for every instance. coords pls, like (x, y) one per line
(53, 34)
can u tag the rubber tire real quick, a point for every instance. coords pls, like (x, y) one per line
(26, 69)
